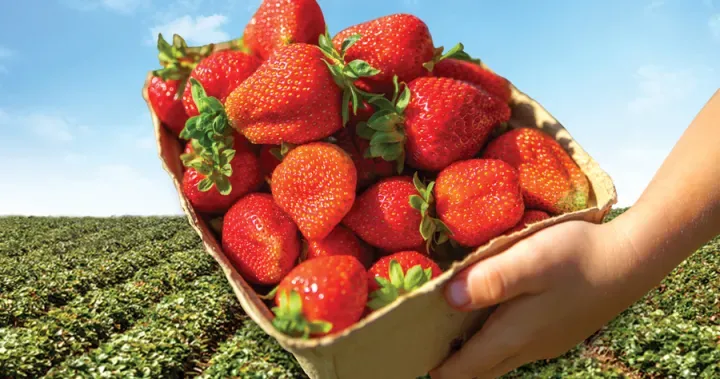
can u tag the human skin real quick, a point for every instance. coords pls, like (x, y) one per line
(560, 285)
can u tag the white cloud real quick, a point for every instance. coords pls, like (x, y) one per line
(105, 190)
(714, 25)
(46, 126)
(195, 30)
(658, 87)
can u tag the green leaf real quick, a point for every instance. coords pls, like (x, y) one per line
(363, 130)
(223, 184)
(403, 100)
(349, 42)
(362, 69)
(345, 109)
(276, 153)
(190, 128)
(419, 185)
(197, 91)
(416, 202)
(378, 150)
(396, 88)
(382, 103)
(383, 121)
(427, 228)
(428, 274)
(226, 170)
(317, 327)
(400, 166)
(387, 138)
(393, 152)
(396, 274)
(219, 125)
(228, 155)
(205, 185)
(325, 43)
(413, 278)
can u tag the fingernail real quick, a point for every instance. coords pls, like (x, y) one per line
(458, 294)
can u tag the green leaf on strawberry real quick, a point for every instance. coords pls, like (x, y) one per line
(178, 60)
(289, 318)
(456, 52)
(432, 229)
(211, 139)
(399, 283)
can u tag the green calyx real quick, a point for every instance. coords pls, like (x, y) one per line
(290, 320)
(385, 129)
(282, 151)
(399, 283)
(456, 52)
(432, 229)
(345, 74)
(178, 60)
(211, 139)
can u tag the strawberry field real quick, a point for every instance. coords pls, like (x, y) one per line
(138, 297)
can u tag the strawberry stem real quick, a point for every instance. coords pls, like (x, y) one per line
(290, 320)
(432, 229)
(345, 74)
(456, 52)
(178, 60)
(385, 129)
(211, 139)
(399, 284)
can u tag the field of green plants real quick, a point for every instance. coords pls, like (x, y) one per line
(139, 297)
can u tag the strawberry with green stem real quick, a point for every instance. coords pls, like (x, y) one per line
(397, 274)
(432, 229)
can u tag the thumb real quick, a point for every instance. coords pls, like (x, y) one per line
(516, 271)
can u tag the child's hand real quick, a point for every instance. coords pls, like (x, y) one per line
(556, 288)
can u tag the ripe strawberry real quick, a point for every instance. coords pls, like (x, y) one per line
(550, 180)
(168, 83)
(341, 241)
(315, 184)
(268, 160)
(219, 74)
(383, 217)
(368, 169)
(259, 239)
(321, 296)
(397, 274)
(530, 216)
(432, 123)
(244, 177)
(478, 199)
(397, 44)
(278, 23)
(473, 73)
(298, 95)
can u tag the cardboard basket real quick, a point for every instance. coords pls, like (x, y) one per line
(414, 334)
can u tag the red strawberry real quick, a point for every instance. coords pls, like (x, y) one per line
(382, 215)
(397, 44)
(200, 189)
(397, 274)
(321, 296)
(474, 73)
(168, 83)
(529, 217)
(368, 169)
(294, 96)
(268, 160)
(432, 123)
(259, 239)
(551, 181)
(341, 241)
(278, 23)
(478, 199)
(315, 184)
(219, 74)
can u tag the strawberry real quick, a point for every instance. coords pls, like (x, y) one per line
(341, 241)
(269, 159)
(530, 216)
(321, 296)
(432, 123)
(478, 199)
(297, 95)
(219, 74)
(396, 44)
(259, 239)
(550, 180)
(383, 217)
(315, 184)
(168, 83)
(457, 64)
(244, 177)
(368, 169)
(397, 274)
(277, 23)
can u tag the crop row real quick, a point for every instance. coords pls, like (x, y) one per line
(252, 353)
(88, 320)
(92, 271)
(164, 344)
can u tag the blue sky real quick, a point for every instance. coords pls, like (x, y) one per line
(625, 77)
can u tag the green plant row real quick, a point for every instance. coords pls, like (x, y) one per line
(167, 342)
(88, 320)
(252, 353)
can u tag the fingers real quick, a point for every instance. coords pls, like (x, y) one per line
(497, 279)
(493, 348)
